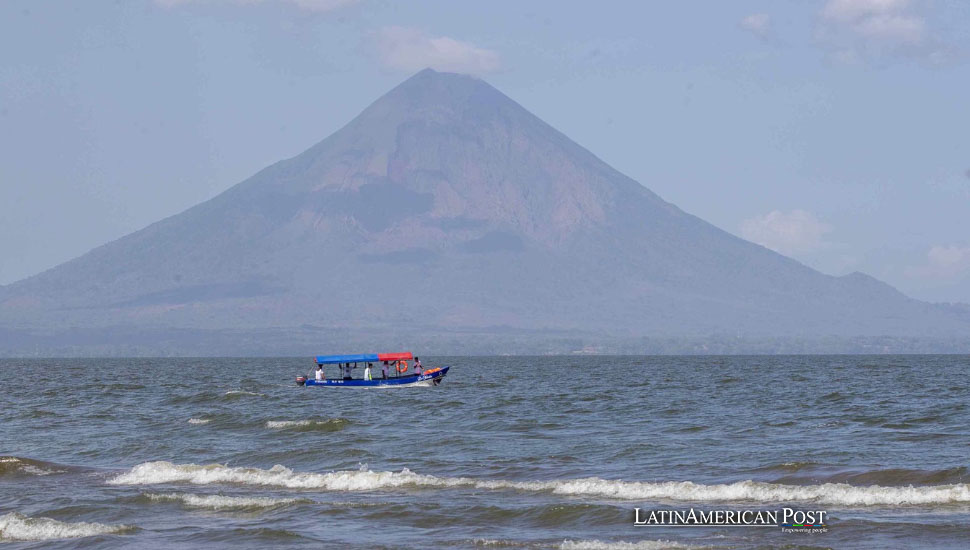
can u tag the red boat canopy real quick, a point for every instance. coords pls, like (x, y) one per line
(402, 356)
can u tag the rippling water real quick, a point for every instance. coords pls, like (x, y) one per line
(532, 452)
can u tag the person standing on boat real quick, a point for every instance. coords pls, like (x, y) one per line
(417, 366)
(367, 375)
(319, 373)
(348, 375)
(384, 370)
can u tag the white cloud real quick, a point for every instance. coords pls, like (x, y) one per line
(309, 5)
(409, 50)
(758, 23)
(853, 10)
(946, 263)
(788, 233)
(905, 29)
(866, 29)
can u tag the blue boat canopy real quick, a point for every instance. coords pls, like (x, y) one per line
(357, 358)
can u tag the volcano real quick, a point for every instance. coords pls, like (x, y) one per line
(446, 210)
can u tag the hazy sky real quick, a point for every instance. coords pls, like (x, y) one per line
(837, 132)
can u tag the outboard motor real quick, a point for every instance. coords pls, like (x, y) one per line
(301, 380)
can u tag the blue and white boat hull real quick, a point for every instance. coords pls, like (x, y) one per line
(429, 379)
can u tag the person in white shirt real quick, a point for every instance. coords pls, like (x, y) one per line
(348, 375)
(367, 372)
(417, 366)
(384, 370)
(319, 373)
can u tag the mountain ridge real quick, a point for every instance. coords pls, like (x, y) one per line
(447, 204)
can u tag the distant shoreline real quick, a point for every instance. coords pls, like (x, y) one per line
(79, 343)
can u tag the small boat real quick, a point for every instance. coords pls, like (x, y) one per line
(398, 374)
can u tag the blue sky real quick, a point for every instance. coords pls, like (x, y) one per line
(832, 131)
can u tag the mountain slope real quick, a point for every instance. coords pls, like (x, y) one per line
(445, 205)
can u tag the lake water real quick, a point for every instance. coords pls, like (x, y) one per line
(530, 452)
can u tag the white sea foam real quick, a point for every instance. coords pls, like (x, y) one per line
(223, 502)
(15, 526)
(836, 494)
(288, 424)
(199, 420)
(641, 545)
(13, 464)
(243, 392)
(278, 476)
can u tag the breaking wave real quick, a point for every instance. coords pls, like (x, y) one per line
(14, 527)
(199, 420)
(13, 466)
(588, 545)
(329, 425)
(278, 476)
(242, 393)
(223, 502)
(839, 494)
(641, 545)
